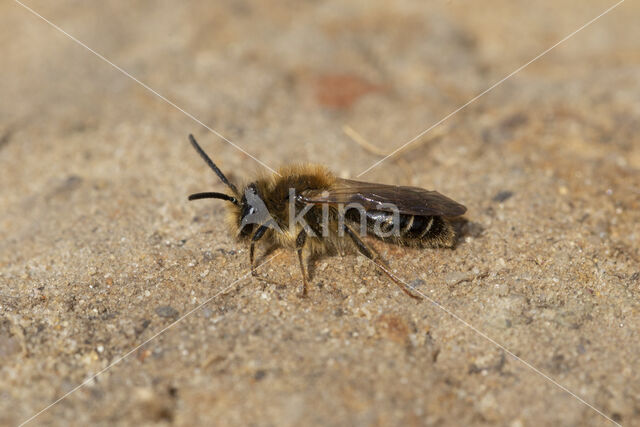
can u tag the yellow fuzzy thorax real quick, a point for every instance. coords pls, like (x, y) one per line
(274, 191)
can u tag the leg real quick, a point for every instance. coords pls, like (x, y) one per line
(300, 240)
(366, 251)
(257, 236)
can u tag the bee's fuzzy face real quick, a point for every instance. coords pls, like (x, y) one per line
(252, 212)
(246, 210)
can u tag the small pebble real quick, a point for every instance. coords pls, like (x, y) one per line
(502, 196)
(166, 311)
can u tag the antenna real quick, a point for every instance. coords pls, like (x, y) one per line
(213, 167)
(213, 195)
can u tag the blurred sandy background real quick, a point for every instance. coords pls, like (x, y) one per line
(99, 249)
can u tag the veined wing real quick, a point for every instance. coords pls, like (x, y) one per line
(371, 196)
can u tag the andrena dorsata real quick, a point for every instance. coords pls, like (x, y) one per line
(306, 206)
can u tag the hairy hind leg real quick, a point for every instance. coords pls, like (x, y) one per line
(373, 256)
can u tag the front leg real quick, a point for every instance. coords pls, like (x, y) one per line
(300, 241)
(257, 236)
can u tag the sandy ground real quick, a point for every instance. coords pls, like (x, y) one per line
(100, 250)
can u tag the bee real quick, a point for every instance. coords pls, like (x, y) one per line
(306, 206)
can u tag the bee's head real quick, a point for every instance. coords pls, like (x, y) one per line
(253, 211)
(249, 205)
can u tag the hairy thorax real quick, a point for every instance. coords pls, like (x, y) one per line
(275, 190)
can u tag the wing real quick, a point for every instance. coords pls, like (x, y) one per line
(408, 200)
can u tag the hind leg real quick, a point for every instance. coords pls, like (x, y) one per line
(300, 241)
(373, 256)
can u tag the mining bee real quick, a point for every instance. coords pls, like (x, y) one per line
(306, 206)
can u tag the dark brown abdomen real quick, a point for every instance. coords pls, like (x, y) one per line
(410, 228)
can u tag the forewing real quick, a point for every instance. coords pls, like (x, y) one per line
(408, 200)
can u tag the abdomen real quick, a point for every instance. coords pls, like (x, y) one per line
(410, 230)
